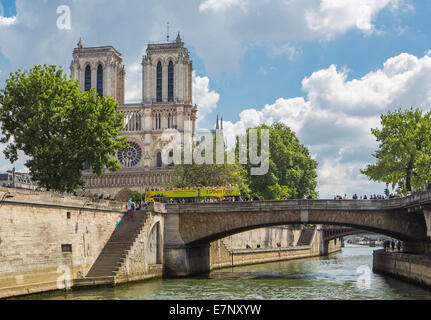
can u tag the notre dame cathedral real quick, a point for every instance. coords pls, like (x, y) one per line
(166, 104)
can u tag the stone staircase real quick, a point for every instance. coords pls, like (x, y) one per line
(306, 237)
(227, 245)
(112, 256)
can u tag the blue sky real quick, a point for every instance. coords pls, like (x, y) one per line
(327, 68)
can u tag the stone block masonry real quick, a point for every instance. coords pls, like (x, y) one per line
(414, 268)
(48, 239)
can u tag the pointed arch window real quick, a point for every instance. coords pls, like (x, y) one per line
(159, 82)
(159, 160)
(100, 80)
(158, 121)
(87, 85)
(171, 81)
(171, 155)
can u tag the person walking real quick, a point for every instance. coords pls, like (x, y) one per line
(399, 245)
(393, 244)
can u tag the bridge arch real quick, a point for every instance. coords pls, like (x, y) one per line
(226, 233)
(190, 228)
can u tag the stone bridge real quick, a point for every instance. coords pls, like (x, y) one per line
(189, 228)
(338, 232)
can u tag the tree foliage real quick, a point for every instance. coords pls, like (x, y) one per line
(190, 175)
(58, 126)
(292, 172)
(404, 152)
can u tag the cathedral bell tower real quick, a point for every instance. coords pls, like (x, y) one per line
(167, 86)
(167, 73)
(100, 68)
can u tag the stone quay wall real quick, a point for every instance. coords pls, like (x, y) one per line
(47, 240)
(222, 255)
(265, 237)
(414, 268)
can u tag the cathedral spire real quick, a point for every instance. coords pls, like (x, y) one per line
(80, 43)
(217, 124)
(178, 40)
(221, 123)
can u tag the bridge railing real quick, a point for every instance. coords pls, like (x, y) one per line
(303, 204)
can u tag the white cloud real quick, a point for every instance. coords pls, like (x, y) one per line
(134, 82)
(219, 31)
(7, 21)
(335, 119)
(205, 99)
(287, 49)
(263, 71)
(266, 22)
(337, 16)
(221, 5)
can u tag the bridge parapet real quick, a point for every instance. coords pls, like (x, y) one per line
(416, 201)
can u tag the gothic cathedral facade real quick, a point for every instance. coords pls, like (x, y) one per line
(166, 104)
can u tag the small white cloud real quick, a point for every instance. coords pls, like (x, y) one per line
(287, 49)
(7, 21)
(263, 71)
(221, 5)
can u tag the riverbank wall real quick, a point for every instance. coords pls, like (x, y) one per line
(223, 254)
(46, 239)
(415, 268)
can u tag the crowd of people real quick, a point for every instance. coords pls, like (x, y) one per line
(387, 244)
(371, 197)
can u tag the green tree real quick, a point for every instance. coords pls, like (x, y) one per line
(404, 152)
(59, 127)
(190, 175)
(292, 172)
(135, 196)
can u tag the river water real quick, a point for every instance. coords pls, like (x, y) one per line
(345, 275)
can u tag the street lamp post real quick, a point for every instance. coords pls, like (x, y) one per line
(13, 177)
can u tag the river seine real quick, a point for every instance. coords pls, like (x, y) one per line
(346, 275)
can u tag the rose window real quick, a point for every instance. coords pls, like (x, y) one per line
(131, 156)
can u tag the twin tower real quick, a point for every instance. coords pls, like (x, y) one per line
(166, 104)
(166, 77)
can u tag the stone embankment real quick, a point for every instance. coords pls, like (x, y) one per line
(50, 242)
(414, 268)
(308, 244)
